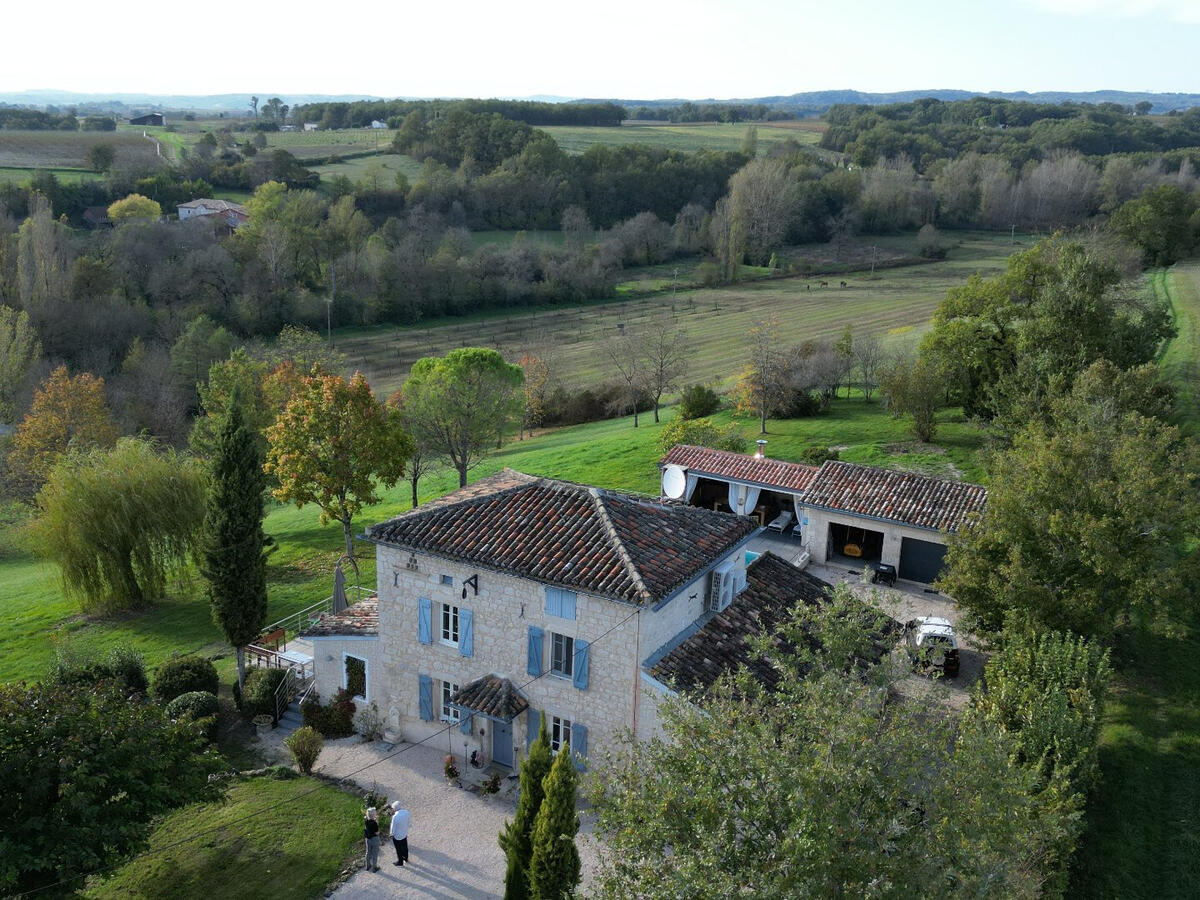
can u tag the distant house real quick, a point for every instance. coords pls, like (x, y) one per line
(232, 215)
(149, 119)
(375, 123)
(97, 217)
(312, 126)
(287, 127)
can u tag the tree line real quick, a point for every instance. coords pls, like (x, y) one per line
(361, 113)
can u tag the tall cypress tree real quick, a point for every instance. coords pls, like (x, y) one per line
(517, 837)
(233, 558)
(554, 867)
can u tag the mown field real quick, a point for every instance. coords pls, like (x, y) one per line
(68, 149)
(376, 170)
(1144, 822)
(896, 302)
(711, 136)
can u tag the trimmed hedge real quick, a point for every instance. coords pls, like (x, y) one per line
(185, 674)
(334, 720)
(197, 705)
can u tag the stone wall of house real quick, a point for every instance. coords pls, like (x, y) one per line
(329, 666)
(816, 534)
(664, 624)
(502, 612)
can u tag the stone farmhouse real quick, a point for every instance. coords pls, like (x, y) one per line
(840, 512)
(521, 598)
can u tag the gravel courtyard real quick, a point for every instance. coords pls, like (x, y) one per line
(452, 844)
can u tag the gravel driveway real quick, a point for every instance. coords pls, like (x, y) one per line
(452, 843)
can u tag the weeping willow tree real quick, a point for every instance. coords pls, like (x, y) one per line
(119, 521)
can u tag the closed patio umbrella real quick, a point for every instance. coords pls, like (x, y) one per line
(339, 589)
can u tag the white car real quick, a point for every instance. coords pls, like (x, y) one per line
(932, 643)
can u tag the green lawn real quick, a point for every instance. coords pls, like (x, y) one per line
(376, 170)
(1181, 361)
(691, 137)
(610, 454)
(21, 174)
(248, 849)
(1144, 819)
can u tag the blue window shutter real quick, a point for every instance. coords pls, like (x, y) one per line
(581, 664)
(579, 745)
(466, 633)
(426, 698)
(533, 722)
(534, 665)
(464, 722)
(560, 603)
(425, 621)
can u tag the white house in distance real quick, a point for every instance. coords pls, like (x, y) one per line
(841, 512)
(519, 598)
(232, 215)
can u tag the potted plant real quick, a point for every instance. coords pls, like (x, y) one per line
(450, 770)
(263, 723)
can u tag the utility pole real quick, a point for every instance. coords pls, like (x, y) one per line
(873, 251)
(1012, 235)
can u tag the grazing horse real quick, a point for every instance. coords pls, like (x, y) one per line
(824, 284)
(843, 284)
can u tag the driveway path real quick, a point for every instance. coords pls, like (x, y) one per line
(453, 854)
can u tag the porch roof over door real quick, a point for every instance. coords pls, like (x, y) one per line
(490, 696)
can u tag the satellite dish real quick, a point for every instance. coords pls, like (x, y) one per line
(674, 482)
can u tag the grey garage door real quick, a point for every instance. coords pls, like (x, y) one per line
(920, 560)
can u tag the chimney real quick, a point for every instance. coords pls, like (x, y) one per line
(762, 442)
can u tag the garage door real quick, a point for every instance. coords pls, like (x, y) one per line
(921, 560)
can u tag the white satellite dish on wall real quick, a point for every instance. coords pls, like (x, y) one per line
(674, 482)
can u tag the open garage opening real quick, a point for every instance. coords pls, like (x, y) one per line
(853, 546)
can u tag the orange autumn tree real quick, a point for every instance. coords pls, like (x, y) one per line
(332, 445)
(66, 412)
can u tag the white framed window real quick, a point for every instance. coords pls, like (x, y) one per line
(449, 624)
(448, 579)
(560, 733)
(449, 713)
(354, 676)
(562, 655)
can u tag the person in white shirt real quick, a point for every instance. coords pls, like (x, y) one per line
(401, 820)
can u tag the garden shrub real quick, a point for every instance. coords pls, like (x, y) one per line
(262, 686)
(333, 720)
(184, 674)
(305, 744)
(697, 401)
(593, 404)
(702, 433)
(123, 664)
(199, 706)
(815, 454)
(368, 722)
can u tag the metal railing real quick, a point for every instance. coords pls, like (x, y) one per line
(298, 682)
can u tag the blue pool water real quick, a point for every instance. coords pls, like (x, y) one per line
(751, 556)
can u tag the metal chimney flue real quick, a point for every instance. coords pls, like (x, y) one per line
(762, 443)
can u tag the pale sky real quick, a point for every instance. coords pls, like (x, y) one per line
(635, 50)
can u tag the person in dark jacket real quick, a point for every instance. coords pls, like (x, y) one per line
(371, 836)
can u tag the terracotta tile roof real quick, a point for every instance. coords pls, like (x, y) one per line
(775, 473)
(773, 588)
(491, 695)
(361, 618)
(601, 542)
(899, 496)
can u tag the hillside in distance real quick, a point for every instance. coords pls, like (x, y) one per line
(820, 101)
